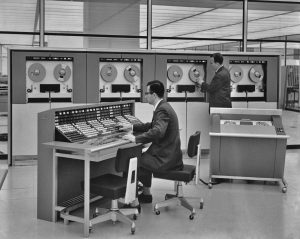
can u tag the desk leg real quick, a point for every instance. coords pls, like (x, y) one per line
(54, 186)
(86, 195)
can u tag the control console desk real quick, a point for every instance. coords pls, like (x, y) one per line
(75, 144)
(247, 144)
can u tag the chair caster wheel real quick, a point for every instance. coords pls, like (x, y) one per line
(134, 216)
(201, 204)
(284, 189)
(66, 222)
(132, 230)
(96, 213)
(191, 216)
(157, 212)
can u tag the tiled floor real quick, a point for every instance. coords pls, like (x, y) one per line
(291, 122)
(231, 210)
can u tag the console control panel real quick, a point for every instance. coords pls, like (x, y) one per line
(102, 122)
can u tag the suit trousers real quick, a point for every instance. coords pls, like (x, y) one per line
(146, 166)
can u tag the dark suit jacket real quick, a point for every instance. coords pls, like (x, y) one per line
(219, 89)
(163, 132)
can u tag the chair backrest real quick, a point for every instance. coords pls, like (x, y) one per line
(124, 154)
(126, 162)
(193, 143)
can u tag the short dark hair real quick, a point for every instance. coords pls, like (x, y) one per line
(218, 58)
(156, 87)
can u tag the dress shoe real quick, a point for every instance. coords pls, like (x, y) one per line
(144, 198)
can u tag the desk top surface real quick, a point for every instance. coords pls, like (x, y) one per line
(76, 147)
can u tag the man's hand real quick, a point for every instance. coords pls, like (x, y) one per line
(129, 137)
(199, 83)
(125, 127)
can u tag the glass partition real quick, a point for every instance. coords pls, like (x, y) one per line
(3, 107)
(64, 16)
(267, 20)
(195, 20)
(103, 24)
(18, 15)
(292, 75)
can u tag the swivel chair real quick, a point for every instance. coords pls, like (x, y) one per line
(186, 175)
(116, 187)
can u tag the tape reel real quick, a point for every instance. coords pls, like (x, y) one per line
(36, 72)
(132, 73)
(236, 74)
(62, 72)
(256, 73)
(196, 74)
(109, 72)
(174, 73)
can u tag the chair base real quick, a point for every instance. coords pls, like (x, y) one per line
(116, 214)
(175, 200)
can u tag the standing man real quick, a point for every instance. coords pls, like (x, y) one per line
(163, 132)
(219, 89)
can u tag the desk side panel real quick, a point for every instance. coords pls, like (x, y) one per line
(45, 166)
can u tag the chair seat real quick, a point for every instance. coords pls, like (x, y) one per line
(184, 175)
(108, 185)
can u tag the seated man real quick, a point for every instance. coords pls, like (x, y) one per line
(163, 132)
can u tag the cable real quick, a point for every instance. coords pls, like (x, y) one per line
(247, 98)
